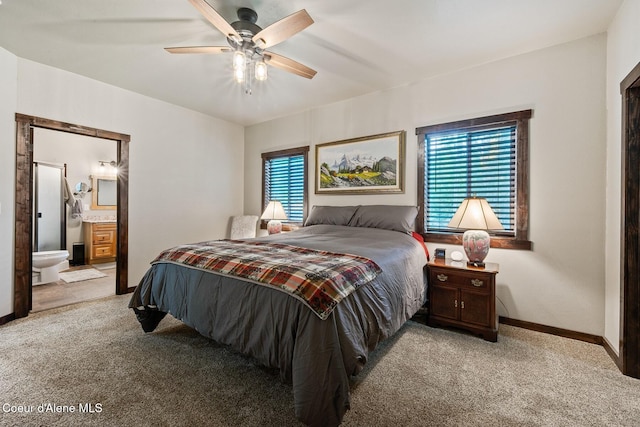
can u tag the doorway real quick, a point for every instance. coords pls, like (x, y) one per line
(24, 204)
(630, 245)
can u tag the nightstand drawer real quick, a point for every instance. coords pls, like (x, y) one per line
(455, 278)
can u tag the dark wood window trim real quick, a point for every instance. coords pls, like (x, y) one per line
(303, 151)
(521, 239)
(24, 197)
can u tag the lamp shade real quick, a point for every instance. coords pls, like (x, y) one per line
(475, 213)
(274, 210)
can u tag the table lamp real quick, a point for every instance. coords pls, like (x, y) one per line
(274, 213)
(475, 216)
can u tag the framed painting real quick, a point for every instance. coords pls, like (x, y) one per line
(366, 165)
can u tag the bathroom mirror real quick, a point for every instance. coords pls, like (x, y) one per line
(104, 192)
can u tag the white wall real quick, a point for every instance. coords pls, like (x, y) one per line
(8, 100)
(623, 54)
(185, 173)
(561, 282)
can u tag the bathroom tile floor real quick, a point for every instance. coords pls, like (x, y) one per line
(61, 293)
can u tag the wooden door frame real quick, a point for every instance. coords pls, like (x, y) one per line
(630, 243)
(24, 207)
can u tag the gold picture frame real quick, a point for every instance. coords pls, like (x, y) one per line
(367, 165)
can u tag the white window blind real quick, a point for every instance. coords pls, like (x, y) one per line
(476, 162)
(284, 180)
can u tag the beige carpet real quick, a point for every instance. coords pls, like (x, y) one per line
(96, 353)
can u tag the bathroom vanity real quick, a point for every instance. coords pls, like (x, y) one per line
(99, 241)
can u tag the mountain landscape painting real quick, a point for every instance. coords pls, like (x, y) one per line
(369, 164)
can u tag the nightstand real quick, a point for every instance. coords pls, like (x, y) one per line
(463, 297)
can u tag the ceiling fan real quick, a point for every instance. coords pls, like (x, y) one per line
(248, 42)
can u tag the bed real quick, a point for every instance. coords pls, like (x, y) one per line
(315, 350)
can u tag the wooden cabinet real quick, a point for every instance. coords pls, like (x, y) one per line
(99, 242)
(464, 297)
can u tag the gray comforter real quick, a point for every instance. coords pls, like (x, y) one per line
(316, 356)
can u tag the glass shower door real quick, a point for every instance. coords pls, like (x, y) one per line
(49, 224)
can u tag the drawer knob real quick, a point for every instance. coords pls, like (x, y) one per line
(476, 282)
(442, 277)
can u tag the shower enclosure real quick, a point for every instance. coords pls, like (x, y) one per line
(49, 213)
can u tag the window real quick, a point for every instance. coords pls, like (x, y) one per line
(284, 178)
(485, 157)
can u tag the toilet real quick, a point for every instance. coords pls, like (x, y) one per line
(46, 265)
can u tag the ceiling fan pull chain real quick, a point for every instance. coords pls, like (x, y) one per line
(247, 76)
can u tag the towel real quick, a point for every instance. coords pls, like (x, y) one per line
(68, 194)
(76, 209)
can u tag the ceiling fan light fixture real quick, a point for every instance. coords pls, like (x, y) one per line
(261, 70)
(248, 42)
(238, 74)
(239, 61)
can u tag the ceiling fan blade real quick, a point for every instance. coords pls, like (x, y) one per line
(198, 49)
(214, 17)
(283, 29)
(289, 65)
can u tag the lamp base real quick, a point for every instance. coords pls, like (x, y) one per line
(477, 264)
(274, 226)
(476, 245)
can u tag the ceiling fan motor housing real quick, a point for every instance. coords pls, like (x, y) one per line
(247, 28)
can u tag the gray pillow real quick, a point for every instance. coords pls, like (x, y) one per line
(388, 217)
(330, 215)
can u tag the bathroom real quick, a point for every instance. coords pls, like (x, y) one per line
(74, 191)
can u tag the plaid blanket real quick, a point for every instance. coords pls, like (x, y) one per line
(319, 279)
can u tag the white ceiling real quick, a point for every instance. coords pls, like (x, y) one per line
(356, 46)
